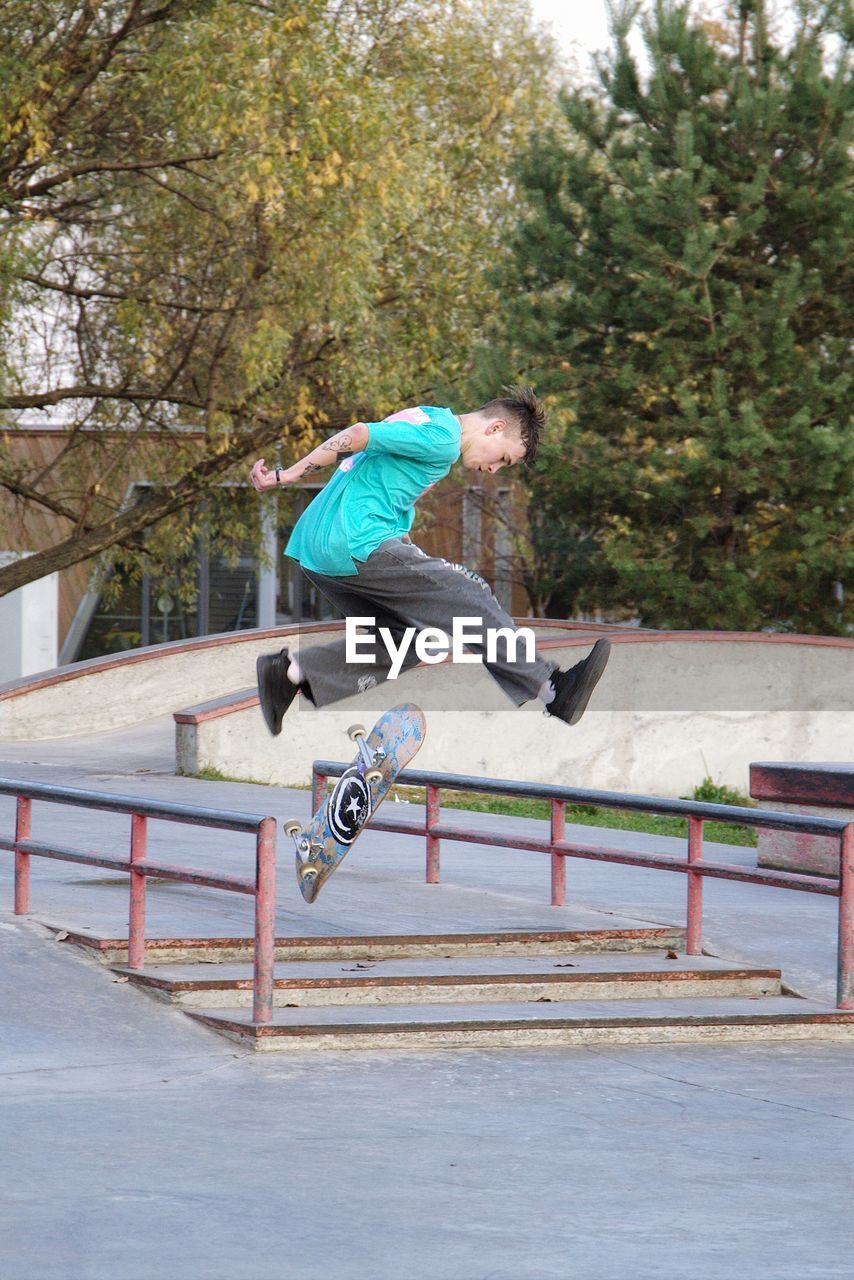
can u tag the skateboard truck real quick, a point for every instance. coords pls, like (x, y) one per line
(368, 759)
(303, 845)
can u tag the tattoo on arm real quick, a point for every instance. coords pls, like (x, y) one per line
(342, 443)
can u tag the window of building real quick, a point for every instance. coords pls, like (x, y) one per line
(205, 592)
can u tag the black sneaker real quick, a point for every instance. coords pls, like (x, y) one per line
(574, 687)
(275, 691)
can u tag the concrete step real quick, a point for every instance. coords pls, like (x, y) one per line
(378, 947)
(534, 1024)
(448, 979)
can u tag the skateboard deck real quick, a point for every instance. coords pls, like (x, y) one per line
(327, 839)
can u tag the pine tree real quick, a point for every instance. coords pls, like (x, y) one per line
(680, 290)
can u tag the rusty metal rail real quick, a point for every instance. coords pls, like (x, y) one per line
(138, 866)
(694, 866)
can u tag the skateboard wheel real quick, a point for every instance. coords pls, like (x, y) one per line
(356, 731)
(374, 775)
(293, 828)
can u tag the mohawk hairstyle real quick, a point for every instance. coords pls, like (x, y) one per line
(524, 411)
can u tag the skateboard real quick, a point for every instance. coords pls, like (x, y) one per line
(382, 754)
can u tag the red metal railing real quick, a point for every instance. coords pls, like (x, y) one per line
(694, 866)
(139, 866)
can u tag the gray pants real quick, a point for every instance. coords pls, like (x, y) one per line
(400, 586)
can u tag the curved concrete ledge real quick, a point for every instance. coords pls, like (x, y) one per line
(121, 689)
(118, 690)
(673, 708)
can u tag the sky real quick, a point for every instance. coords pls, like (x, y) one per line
(581, 27)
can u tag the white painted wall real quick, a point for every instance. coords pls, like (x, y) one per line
(28, 625)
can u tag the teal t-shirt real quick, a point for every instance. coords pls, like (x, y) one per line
(372, 495)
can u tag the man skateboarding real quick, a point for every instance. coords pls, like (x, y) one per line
(352, 542)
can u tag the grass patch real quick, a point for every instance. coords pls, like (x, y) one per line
(587, 815)
(711, 792)
(215, 775)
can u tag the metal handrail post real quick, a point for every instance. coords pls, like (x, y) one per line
(265, 921)
(694, 923)
(558, 832)
(136, 914)
(23, 822)
(845, 955)
(431, 817)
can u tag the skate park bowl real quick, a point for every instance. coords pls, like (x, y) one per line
(672, 708)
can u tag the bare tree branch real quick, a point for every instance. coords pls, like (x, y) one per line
(112, 295)
(43, 399)
(21, 490)
(30, 190)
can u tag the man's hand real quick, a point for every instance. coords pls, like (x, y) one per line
(351, 440)
(263, 478)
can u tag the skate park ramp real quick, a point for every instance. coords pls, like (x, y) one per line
(672, 708)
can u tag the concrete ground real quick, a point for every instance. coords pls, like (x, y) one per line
(135, 1144)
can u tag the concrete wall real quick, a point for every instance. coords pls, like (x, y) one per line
(670, 710)
(111, 693)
